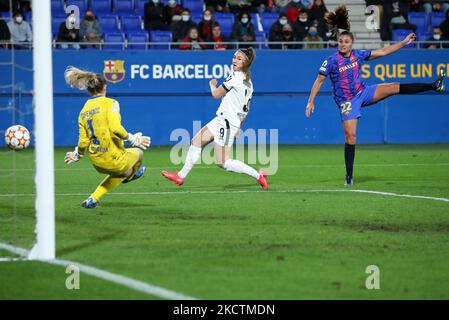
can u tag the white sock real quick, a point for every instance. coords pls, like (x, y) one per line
(239, 167)
(193, 155)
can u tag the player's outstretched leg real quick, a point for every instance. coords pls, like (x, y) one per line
(111, 182)
(193, 155)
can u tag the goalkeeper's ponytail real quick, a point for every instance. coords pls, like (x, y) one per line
(84, 80)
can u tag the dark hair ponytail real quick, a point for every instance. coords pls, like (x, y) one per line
(338, 20)
(250, 55)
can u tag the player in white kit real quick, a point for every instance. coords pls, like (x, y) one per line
(236, 92)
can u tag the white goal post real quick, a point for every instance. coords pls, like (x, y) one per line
(44, 249)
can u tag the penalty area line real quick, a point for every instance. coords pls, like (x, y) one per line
(162, 193)
(134, 284)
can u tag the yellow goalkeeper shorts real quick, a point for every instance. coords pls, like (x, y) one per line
(118, 167)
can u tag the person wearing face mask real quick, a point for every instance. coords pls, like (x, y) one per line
(302, 25)
(155, 16)
(20, 31)
(173, 11)
(71, 34)
(288, 37)
(444, 27)
(181, 28)
(436, 36)
(243, 30)
(90, 28)
(276, 31)
(312, 36)
(192, 41)
(205, 25)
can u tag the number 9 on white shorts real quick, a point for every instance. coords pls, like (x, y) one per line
(224, 132)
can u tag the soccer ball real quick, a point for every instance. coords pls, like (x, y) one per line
(17, 137)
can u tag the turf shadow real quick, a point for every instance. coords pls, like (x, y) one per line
(88, 243)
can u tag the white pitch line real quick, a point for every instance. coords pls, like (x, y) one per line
(443, 164)
(162, 193)
(105, 275)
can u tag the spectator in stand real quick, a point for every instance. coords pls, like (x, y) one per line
(302, 25)
(173, 11)
(263, 6)
(155, 16)
(276, 30)
(240, 6)
(205, 25)
(292, 10)
(181, 28)
(90, 28)
(436, 6)
(444, 27)
(288, 36)
(317, 12)
(192, 41)
(436, 36)
(5, 35)
(4, 5)
(313, 36)
(395, 15)
(218, 38)
(71, 34)
(280, 6)
(243, 30)
(20, 31)
(416, 6)
(217, 5)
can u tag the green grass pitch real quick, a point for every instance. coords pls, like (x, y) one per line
(220, 236)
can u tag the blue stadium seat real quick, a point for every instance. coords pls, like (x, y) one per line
(161, 36)
(131, 23)
(124, 7)
(194, 5)
(81, 4)
(109, 23)
(141, 6)
(400, 34)
(57, 7)
(419, 19)
(118, 37)
(196, 17)
(261, 37)
(56, 22)
(226, 21)
(101, 7)
(267, 21)
(28, 16)
(436, 18)
(138, 37)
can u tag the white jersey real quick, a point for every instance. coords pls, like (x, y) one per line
(234, 105)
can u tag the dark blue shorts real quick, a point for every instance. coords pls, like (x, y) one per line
(351, 109)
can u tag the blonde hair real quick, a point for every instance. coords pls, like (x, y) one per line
(84, 80)
(250, 55)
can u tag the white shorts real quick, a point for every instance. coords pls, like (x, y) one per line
(223, 131)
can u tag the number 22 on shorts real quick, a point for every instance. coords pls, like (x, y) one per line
(346, 107)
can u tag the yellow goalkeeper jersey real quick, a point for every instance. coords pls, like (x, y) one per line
(101, 133)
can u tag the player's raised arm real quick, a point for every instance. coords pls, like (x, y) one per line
(217, 92)
(393, 48)
(315, 89)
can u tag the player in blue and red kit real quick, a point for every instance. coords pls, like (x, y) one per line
(349, 91)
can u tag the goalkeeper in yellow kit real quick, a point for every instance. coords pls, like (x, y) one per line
(102, 136)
